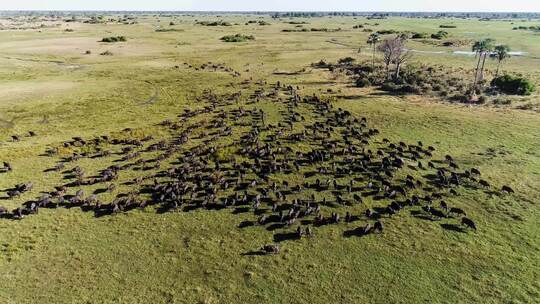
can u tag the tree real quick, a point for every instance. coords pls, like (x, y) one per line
(482, 48)
(394, 52)
(502, 52)
(373, 39)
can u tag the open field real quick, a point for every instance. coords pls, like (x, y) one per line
(50, 86)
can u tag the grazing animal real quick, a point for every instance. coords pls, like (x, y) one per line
(458, 211)
(369, 213)
(7, 167)
(299, 232)
(309, 232)
(366, 229)
(444, 206)
(507, 189)
(270, 249)
(468, 222)
(378, 226)
(484, 183)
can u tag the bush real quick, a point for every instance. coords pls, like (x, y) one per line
(363, 82)
(439, 35)
(214, 23)
(502, 101)
(346, 60)
(237, 38)
(163, 30)
(513, 85)
(114, 39)
(321, 64)
(482, 99)
(411, 89)
(106, 53)
(419, 36)
(461, 98)
(447, 26)
(388, 32)
(390, 87)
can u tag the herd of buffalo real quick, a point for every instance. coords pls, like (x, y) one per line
(295, 162)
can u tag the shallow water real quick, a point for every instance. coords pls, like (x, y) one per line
(464, 53)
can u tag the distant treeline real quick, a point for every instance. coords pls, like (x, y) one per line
(371, 15)
(529, 28)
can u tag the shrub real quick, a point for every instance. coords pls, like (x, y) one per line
(114, 39)
(482, 99)
(162, 30)
(411, 89)
(363, 82)
(502, 101)
(237, 38)
(447, 26)
(106, 53)
(346, 60)
(390, 87)
(439, 35)
(388, 32)
(419, 35)
(461, 97)
(513, 85)
(321, 64)
(214, 23)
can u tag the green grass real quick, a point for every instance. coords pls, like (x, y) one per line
(68, 256)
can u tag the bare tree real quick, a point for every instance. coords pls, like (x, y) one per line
(394, 52)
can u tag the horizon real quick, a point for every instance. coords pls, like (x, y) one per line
(424, 6)
(268, 11)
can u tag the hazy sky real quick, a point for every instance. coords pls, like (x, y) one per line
(277, 5)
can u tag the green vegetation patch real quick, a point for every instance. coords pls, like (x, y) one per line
(238, 38)
(513, 85)
(214, 23)
(114, 39)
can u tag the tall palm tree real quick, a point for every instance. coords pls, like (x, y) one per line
(482, 48)
(373, 39)
(502, 52)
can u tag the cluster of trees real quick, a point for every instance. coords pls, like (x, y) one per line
(483, 49)
(438, 36)
(395, 54)
(513, 85)
(114, 39)
(214, 23)
(535, 28)
(311, 30)
(261, 22)
(237, 38)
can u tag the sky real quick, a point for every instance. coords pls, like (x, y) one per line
(278, 5)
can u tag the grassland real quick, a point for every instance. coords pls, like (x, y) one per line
(49, 85)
